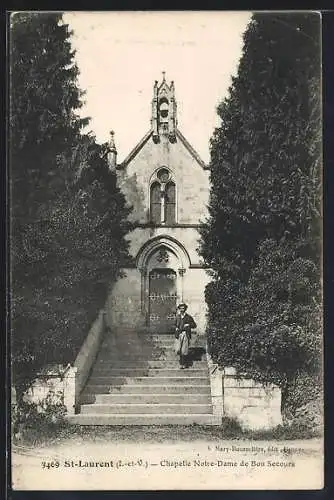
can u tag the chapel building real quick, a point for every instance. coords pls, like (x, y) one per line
(166, 182)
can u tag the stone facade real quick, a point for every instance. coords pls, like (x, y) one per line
(167, 184)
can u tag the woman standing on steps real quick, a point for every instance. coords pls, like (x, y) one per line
(184, 324)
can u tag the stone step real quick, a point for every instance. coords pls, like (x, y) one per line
(137, 349)
(164, 354)
(148, 351)
(106, 371)
(140, 356)
(135, 343)
(154, 336)
(94, 389)
(159, 338)
(147, 380)
(157, 364)
(146, 342)
(135, 336)
(147, 398)
(140, 336)
(143, 408)
(144, 419)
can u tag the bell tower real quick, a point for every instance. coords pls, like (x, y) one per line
(164, 119)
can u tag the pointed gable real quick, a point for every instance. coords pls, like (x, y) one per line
(148, 139)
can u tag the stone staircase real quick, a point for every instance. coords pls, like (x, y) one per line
(136, 380)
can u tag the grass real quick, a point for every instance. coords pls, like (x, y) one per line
(56, 434)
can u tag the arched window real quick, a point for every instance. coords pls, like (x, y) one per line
(163, 109)
(163, 198)
(156, 202)
(170, 203)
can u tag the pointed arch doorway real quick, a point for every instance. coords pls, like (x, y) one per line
(162, 299)
(162, 262)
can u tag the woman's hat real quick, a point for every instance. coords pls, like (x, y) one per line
(182, 305)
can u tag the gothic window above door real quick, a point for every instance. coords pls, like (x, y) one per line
(163, 198)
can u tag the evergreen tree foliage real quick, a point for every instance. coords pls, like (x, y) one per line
(262, 236)
(44, 104)
(68, 217)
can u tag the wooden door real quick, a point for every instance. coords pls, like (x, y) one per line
(162, 300)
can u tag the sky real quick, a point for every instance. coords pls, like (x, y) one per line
(121, 54)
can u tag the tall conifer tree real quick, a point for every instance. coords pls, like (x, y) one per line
(68, 217)
(262, 237)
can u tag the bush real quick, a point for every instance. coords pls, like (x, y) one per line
(34, 421)
(303, 402)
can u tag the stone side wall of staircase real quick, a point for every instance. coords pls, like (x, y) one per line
(253, 405)
(87, 355)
